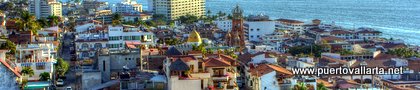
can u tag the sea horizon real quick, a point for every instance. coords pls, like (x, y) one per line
(396, 19)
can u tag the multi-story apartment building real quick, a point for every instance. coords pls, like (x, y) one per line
(87, 44)
(173, 9)
(291, 25)
(116, 38)
(118, 35)
(188, 72)
(259, 26)
(224, 24)
(127, 6)
(36, 56)
(45, 8)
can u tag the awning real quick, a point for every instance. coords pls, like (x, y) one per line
(26, 64)
(40, 64)
(37, 85)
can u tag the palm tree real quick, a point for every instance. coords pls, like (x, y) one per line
(24, 83)
(44, 76)
(300, 86)
(53, 20)
(321, 86)
(27, 22)
(27, 71)
(116, 19)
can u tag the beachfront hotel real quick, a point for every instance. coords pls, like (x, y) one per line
(173, 9)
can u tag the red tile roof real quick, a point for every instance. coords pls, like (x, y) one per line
(290, 21)
(216, 62)
(331, 38)
(340, 32)
(15, 70)
(184, 58)
(368, 31)
(263, 69)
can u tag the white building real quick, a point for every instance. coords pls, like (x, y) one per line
(291, 25)
(224, 25)
(173, 9)
(87, 26)
(118, 35)
(36, 56)
(258, 29)
(264, 57)
(127, 6)
(262, 48)
(266, 77)
(45, 8)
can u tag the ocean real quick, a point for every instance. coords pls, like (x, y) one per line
(399, 19)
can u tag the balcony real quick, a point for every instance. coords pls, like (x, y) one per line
(201, 75)
(220, 77)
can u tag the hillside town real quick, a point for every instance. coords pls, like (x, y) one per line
(180, 45)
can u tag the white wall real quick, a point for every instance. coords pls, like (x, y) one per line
(257, 29)
(192, 84)
(261, 58)
(224, 25)
(269, 82)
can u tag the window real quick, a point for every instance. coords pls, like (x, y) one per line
(103, 65)
(258, 29)
(40, 67)
(252, 29)
(252, 36)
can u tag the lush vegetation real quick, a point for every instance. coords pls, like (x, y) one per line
(62, 67)
(27, 22)
(404, 52)
(10, 46)
(321, 86)
(303, 86)
(230, 52)
(27, 71)
(170, 41)
(313, 50)
(50, 21)
(44, 76)
(188, 19)
(116, 19)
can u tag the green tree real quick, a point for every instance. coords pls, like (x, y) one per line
(7, 6)
(53, 20)
(43, 22)
(346, 52)
(27, 71)
(27, 22)
(321, 86)
(230, 16)
(314, 50)
(208, 13)
(403, 52)
(171, 24)
(44, 76)
(116, 19)
(300, 86)
(230, 52)
(24, 83)
(221, 14)
(10, 46)
(151, 24)
(62, 67)
(188, 19)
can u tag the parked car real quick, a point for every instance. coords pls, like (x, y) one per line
(60, 82)
(68, 88)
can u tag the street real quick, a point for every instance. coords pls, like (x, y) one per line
(71, 80)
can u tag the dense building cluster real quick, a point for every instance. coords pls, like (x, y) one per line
(176, 45)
